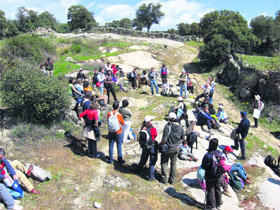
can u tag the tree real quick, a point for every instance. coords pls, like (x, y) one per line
(3, 24)
(45, 20)
(148, 14)
(195, 29)
(126, 23)
(26, 19)
(80, 18)
(172, 31)
(12, 29)
(184, 29)
(137, 24)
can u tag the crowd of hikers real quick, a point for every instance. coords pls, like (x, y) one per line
(179, 134)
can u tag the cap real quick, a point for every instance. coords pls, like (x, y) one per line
(149, 118)
(228, 149)
(183, 70)
(172, 115)
(81, 69)
(221, 106)
(180, 98)
(243, 113)
(257, 97)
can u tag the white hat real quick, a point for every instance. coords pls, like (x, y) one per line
(81, 69)
(172, 115)
(180, 98)
(221, 106)
(257, 97)
(183, 70)
(149, 118)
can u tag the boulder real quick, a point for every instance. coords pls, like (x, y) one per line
(69, 59)
(244, 93)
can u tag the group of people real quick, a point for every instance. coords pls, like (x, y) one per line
(47, 68)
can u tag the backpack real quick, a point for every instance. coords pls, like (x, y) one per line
(217, 169)
(235, 182)
(128, 75)
(262, 106)
(163, 70)
(113, 123)
(270, 161)
(145, 139)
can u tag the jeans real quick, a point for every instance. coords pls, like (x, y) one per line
(101, 88)
(6, 197)
(237, 167)
(183, 88)
(92, 147)
(112, 139)
(205, 121)
(146, 153)
(154, 83)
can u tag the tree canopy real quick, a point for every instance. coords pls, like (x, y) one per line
(80, 18)
(123, 23)
(147, 15)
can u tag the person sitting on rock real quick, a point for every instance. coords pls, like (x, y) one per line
(131, 76)
(143, 80)
(81, 75)
(180, 109)
(18, 172)
(204, 118)
(166, 90)
(87, 87)
(185, 154)
(121, 74)
(206, 92)
(101, 99)
(189, 84)
(222, 115)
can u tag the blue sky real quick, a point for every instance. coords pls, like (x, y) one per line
(176, 11)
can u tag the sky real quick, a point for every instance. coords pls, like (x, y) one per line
(176, 11)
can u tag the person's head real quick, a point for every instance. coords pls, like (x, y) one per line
(71, 80)
(220, 107)
(243, 114)
(152, 69)
(2, 153)
(134, 70)
(163, 65)
(42, 66)
(49, 59)
(81, 70)
(185, 143)
(180, 98)
(109, 72)
(88, 94)
(213, 145)
(164, 81)
(125, 103)
(148, 119)
(205, 107)
(93, 106)
(172, 117)
(144, 72)
(86, 84)
(210, 79)
(227, 150)
(207, 84)
(95, 71)
(183, 71)
(116, 105)
(101, 70)
(257, 97)
(79, 81)
(211, 106)
(108, 63)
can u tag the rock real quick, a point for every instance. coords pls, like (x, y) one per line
(61, 131)
(77, 188)
(69, 59)
(244, 93)
(97, 205)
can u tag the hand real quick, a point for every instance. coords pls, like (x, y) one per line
(15, 177)
(6, 175)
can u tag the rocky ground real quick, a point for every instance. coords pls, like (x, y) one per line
(81, 183)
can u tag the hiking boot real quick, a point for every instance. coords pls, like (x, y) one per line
(227, 193)
(233, 147)
(151, 179)
(28, 173)
(247, 181)
(170, 181)
(121, 161)
(241, 158)
(33, 191)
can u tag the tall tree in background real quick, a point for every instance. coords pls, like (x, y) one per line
(80, 18)
(148, 14)
(3, 24)
(184, 29)
(123, 23)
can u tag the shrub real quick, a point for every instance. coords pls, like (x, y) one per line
(76, 48)
(32, 97)
(31, 48)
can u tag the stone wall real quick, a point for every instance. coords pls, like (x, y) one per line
(246, 82)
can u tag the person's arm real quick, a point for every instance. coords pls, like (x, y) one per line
(75, 90)
(165, 134)
(120, 117)
(83, 114)
(9, 167)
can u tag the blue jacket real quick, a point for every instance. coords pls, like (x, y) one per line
(8, 167)
(243, 128)
(202, 116)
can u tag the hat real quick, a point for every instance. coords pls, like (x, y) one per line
(149, 118)
(180, 98)
(243, 113)
(183, 70)
(257, 97)
(228, 149)
(81, 69)
(172, 115)
(221, 106)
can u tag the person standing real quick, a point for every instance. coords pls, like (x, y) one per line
(153, 79)
(258, 107)
(49, 66)
(163, 72)
(242, 129)
(94, 78)
(100, 80)
(81, 75)
(115, 123)
(109, 86)
(173, 134)
(183, 84)
(148, 150)
(213, 183)
(127, 114)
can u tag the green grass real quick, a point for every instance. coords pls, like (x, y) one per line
(262, 63)
(62, 67)
(195, 44)
(117, 44)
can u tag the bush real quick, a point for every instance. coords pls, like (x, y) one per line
(76, 48)
(32, 97)
(31, 48)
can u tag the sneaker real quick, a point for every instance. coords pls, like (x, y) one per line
(241, 158)
(121, 161)
(33, 191)
(29, 170)
(17, 207)
(170, 181)
(96, 157)
(227, 193)
(151, 179)
(233, 147)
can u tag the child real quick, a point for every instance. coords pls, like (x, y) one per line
(185, 154)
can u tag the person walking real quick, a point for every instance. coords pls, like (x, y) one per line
(183, 84)
(109, 86)
(153, 80)
(127, 114)
(100, 81)
(173, 134)
(242, 129)
(150, 149)
(258, 107)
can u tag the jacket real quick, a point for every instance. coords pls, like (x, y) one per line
(175, 136)
(6, 163)
(243, 128)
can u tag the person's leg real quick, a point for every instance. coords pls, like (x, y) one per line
(24, 181)
(218, 193)
(6, 197)
(208, 122)
(210, 194)
(19, 166)
(199, 96)
(237, 167)
(108, 94)
(236, 143)
(94, 148)
(113, 93)
(164, 166)
(256, 122)
(143, 160)
(152, 87)
(90, 147)
(181, 90)
(111, 147)
(243, 147)
(126, 129)
(172, 174)
(153, 160)
(156, 85)
(119, 146)
(101, 88)
(186, 91)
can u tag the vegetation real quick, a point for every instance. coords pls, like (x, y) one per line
(147, 15)
(123, 23)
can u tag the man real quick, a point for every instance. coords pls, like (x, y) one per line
(183, 84)
(131, 76)
(94, 78)
(115, 132)
(19, 173)
(207, 89)
(173, 134)
(100, 79)
(7, 198)
(204, 118)
(213, 183)
(81, 75)
(153, 79)
(163, 72)
(49, 66)
(242, 129)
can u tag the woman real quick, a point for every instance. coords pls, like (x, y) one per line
(87, 87)
(91, 130)
(109, 86)
(222, 115)
(71, 89)
(127, 114)
(151, 149)
(189, 84)
(258, 107)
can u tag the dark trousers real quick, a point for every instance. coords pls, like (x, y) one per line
(111, 89)
(96, 132)
(256, 122)
(133, 83)
(241, 141)
(199, 96)
(190, 89)
(146, 153)
(163, 77)
(173, 156)
(213, 193)
(205, 121)
(92, 147)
